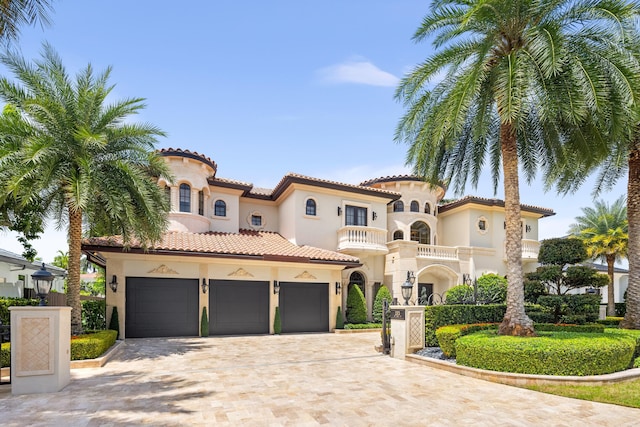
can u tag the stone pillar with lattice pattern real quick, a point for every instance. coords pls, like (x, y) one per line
(407, 329)
(40, 349)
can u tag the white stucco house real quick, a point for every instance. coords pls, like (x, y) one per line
(241, 251)
(16, 271)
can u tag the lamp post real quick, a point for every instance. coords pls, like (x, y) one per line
(42, 280)
(407, 287)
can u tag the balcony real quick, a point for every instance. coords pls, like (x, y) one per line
(438, 252)
(530, 249)
(355, 240)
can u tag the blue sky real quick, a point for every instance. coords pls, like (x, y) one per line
(264, 87)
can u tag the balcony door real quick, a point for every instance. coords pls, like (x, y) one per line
(421, 233)
(355, 215)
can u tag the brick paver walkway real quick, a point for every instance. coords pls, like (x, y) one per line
(298, 380)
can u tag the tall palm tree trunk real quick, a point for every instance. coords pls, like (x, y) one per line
(611, 304)
(516, 321)
(73, 278)
(632, 316)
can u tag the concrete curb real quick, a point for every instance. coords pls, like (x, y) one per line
(521, 380)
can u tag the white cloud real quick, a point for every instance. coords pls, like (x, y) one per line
(357, 71)
(47, 245)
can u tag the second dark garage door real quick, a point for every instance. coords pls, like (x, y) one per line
(158, 307)
(304, 307)
(238, 307)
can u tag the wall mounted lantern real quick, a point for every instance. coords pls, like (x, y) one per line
(407, 287)
(42, 280)
(276, 287)
(113, 284)
(339, 211)
(338, 288)
(374, 216)
(204, 285)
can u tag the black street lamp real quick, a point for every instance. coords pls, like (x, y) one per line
(42, 280)
(407, 287)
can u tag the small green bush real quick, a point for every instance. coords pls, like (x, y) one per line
(5, 355)
(436, 316)
(90, 346)
(636, 362)
(277, 323)
(492, 289)
(114, 323)
(551, 353)
(363, 326)
(339, 319)
(540, 317)
(621, 309)
(356, 305)
(447, 335)
(559, 327)
(383, 293)
(633, 333)
(611, 321)
(459, 294)
(204, 323)
(582, 308)
(94, 315)
(5, 303)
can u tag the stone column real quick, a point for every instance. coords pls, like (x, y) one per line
(40, 349)
(407, 329)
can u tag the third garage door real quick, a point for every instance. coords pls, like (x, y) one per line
(238, 307)
(304, 307)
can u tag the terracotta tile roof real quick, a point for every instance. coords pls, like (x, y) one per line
(391, 178)
(492, 202)
(190, 154)
(245, 244)
(292, 178)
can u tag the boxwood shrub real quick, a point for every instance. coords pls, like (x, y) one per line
(634, 333)
(611, 321)
(436, 316)
(551, 353)
(90, 346)
(5, 303)
(5, 354)
(363, 326)
(560, 327)
(447, 335)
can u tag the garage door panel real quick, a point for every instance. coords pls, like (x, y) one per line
(239, 307)
(304, 307)
(158, 307)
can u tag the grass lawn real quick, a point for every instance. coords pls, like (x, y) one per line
(624, 394)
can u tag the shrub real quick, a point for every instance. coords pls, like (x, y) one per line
(634, 333)
(5, 303)
(582, 308)
(204, 323)
(339, 319)
(356, 305)
(559, 327)
(114, 323)
(383, 293)
(277, 323)
(492, 289)
(5, 354)
(636, 362)
(621, 309)
(459, 294)
(363, 326)
(540, 317)
(436, 316)
(552, 353)
(94, 315)
(533, 289)
(447, 335)
(90, 346)
(610, 321)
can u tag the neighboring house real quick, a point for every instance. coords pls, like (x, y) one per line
(16, 271)
(620, 282)
(298, 247)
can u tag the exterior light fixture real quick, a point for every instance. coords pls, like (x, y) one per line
(204, 285)
(339, 211)
(407, 287)
(113, 284)
(338, 288)
(42, 280)
(276, 287)
(374, 216)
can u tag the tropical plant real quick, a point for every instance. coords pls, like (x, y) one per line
(16, 13)
(277, 322)
(114, 322)
(383, 293)
(356, 305)
(204, 323)
(604, 229)
(339, 319)
(522, 78)
(81, 157)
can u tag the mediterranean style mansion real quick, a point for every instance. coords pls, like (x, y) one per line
(241, 252)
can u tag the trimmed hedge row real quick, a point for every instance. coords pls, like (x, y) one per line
(447, 335)
(5, 303)
(436, 316)
(611, 321)
(363, 326)
(5, 354)
(560, 353)
(590, 328)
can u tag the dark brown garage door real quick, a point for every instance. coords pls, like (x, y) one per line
(161, 307)
(238, 307)
(304, 307)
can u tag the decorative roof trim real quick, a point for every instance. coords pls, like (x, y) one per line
(178, 152)
(544, 212)
(293, 178)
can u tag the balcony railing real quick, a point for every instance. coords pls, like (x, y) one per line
(530, 249)
(355, 239)
(437, 252)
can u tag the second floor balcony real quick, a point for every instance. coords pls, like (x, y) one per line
(353, 240)
(530, 249)
(438, 252)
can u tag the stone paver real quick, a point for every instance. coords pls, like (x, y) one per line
(298, 380)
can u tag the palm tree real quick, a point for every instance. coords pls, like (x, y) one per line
(521, 78)
(605, 232)
(16, 13)
(64, 146)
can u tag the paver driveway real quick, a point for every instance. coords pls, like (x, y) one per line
(301, 380)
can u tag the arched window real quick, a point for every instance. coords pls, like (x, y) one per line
(398, 235)
(415, 207)
(421, 233)
(220, 208)
(167, 195)
(357, 279)
(311, 207)
(185, 198)
(200, 202)
(398, 206)
(427, 208)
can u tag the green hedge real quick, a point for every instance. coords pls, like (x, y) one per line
(90, 346)
(436, 316)
(447, 335)
(5, 303)
(610, 321)
(356, 311)
(94, 315)
(551, 353)
(363, 326)
(586, 328)
(571, 308)
(634, 333)
(5, 354)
